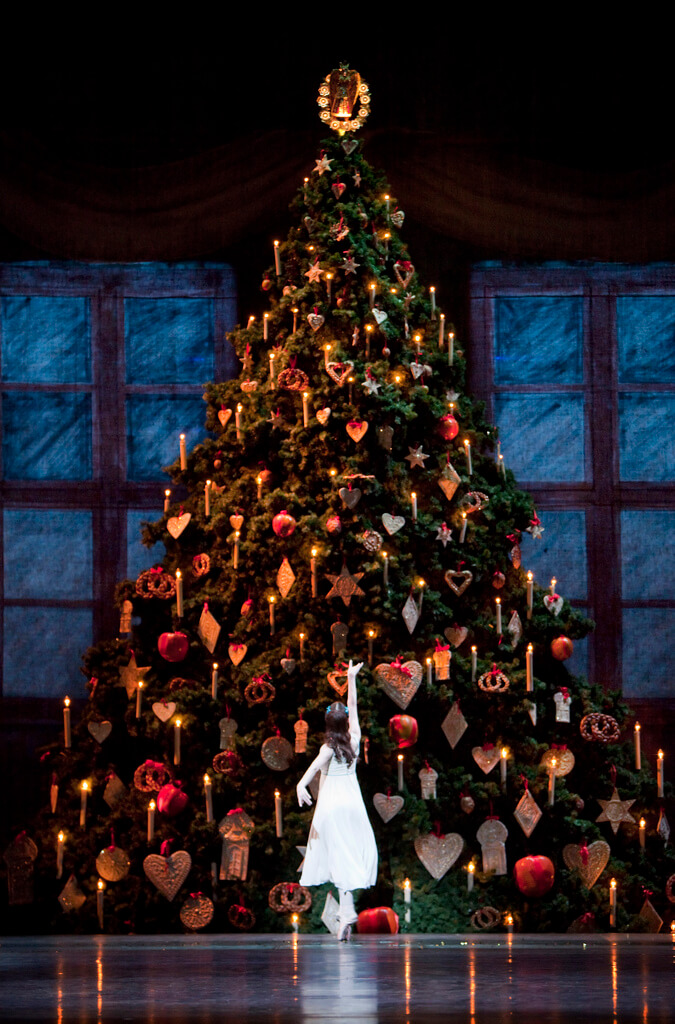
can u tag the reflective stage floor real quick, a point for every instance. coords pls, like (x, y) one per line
(248, 978)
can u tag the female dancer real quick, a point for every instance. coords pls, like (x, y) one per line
(341, 847)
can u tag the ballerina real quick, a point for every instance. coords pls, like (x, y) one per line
(341, 848)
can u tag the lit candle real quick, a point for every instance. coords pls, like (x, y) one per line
(151, 820)
(612, 903)
(183, 452)
(176, 741)
(259, 482)
(529, 668)
(441, 330)
(139, 697)
(313, 573)
(329, 286)
(502, 467)
(371, 638)
(470, 873)
(552, 586)
(305, 408)
(400, 770)
(551, 781)
(271, 600)
(509, 924)
(413, 499)
(277, 259)
(295, 318)
(208, 796)
(235, 551)
(638, 749)
(502, 768)
(451, 347)
(302, 647)
(214, 680)
(167, 500)
(432, 293)
(237, 420)
(266, 320)
(498, 602)
(272, 358)
(474, 664)
(386, 203)
(462, 536)
(429, 676)
(467, 452)
(305, 183)
(207, 499)
(278, 813)
(350, 382)
(530, 594)
(99, 902)
(60, 840)
(421, 584)
(407, 899)
(53, 794)
(84, 790)
(369, 328)
(659, 772)
(643, 832)
(295, 920)
(67, 735)
(179, 594)
(385, 556)
(372, 295)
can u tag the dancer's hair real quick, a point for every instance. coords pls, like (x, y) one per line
(337, 735)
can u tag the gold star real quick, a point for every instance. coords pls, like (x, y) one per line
(615, 811)
(345, 585)
(131, 675)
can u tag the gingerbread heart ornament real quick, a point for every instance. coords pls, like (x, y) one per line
(392, 524)
(588, 863)
(400, 682)
(236, 521)
(553, 604)
(224, 416)
(486, 758)
(456, 634)
(439, 853)
(315, 321)
(334, 680)
(339, 371)
(168, 873)
(387, 806)
(323, 415)
(352, 497)
(100, 730)
(379, 315)
(164, 710)
(177, 524)
(237, 653)
(458, 580)
(357, 429)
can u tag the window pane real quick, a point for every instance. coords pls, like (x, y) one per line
(139, 557)
(542, 436)
(45, 340)
(559, 553)
(169, 341)
(645, 327)
(647, 652)
(46, 436)
(645, 436)
(646, 566)
(48, 554)
(43, 650)
(154, 423)
(538, 340)
(578, 663)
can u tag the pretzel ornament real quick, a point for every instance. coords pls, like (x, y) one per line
(155, 583)
(601, 728)
(290, 897)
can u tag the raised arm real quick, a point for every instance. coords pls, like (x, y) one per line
(322, 759)
(354, 727)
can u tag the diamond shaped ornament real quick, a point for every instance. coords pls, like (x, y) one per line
(411, 614)
(71, 896)
(208, 629)
(515, 629)
(527, 813)
(449, 481)
(454, 725)
(650, 916)
(285, 578)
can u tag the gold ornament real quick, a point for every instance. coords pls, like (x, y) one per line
(387, 806)
(197, 911)
(345, 585)
(285, 578)
(439, 853)
(277, 753)
(400, 681)
(131, 675)
(589, 862)
(344, 100)
(564, 762)
(615, 810)
(113, 864)
(167, 874)
(492, 835)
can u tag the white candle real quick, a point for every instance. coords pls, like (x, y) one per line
(266, 318)
(470, 872)
(151, 820)
(552, 586)
(612, 903)
(208, 796)
(422, 585)
(214, 680)
(386, 203)
(278, 813)
(659, 772)
(429, 676)
(498, 602)
(305, 409)
(551, 782)
(207, 499)
(176, 742)
(643, 832)
(638, 750)
(295, 318)
(462, 536)
(474, 664)
(272, 622)
(451, 348)
(84, 789)
(179, 594)
(67, 735)
(167, 500)
(371, 291)
(329, 286)
(259, 482)
(350, 381)
(302, 647)
(272, 358)
(441, 330)
(313, 574)
(369, 328)
(529, 669)
(237, 420)
(530, 594)
(99, 902)
(183, 452)
(277, 259)
(400, 770)
(502, 467)
(295, 921)
(53, 795)
(467, 452)
(139, 697)
(432, 293)
(60, 840)
(413, 499)
(371, 638)
(502, 768)
(235, 551)
(385, 556)
(509, 924)
(407, 899)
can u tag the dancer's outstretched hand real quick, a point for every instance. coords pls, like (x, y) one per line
(304, 796)
(353, 670)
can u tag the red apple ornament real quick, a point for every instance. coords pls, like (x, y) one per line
(534, 875)
(173, 646)
(561, 648)
(448, 427)
(171, 799)
(378, 921)
(283, 524)
(403, 730)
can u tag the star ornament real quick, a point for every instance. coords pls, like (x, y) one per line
(371, 385)
(444, 534)
(131, 675)
(314, 273)
(323, 165)
(615, 810)
(416, 457)
(345, 585)
(349, 266)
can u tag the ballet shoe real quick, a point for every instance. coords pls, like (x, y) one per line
(344, 932)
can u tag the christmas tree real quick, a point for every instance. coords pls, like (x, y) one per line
(349, 502)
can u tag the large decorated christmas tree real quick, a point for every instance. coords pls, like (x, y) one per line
(350, 501)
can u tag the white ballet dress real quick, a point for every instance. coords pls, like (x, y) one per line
(341, 847)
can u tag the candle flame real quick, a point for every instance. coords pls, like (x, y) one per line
(85, 786)
(177, 723)
(660, 755)
(294, 918)
(277, 793)
(314, 552)
(505, 752)
(643, 823)
(400, 757)
(61, 837)
(530, 648)
(407, 883)
(239, 407)
(215, 664)
(302, 636)
(509, 919)
(529, 577)
(271, 599)
(371, 632)
(471, 867)
(612, 883)
(167, 493)
(178, 574)
(101, 884)
(637, 726)
(182, 437)
(207, 779)
(67, 702)
(428, 661)
(152, 805)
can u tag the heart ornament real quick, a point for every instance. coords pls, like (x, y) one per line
(349, 145)
(400, 681)
(249, 386)
(224, 416)
(392, 524)
(350, 498)
(486, 758)
(439, 853)
(357, 429)
(164, 710)
(397, 218)
(404, 273)
(458, 580)
(589, 863)
(237, 653)
(177, 524)
(168, 873)
(338, 188)
(315, 321)
(339, 371)
(553, 603)
(323, 415)
(387, 806)
(100, 730)
(334, 680)
(379, 315)
(417, 369)
(236, 522)
(456, 635)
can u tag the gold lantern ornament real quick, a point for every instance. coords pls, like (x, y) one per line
(344, 100)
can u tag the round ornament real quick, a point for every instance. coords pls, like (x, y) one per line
(228, 763)
(467, 803)
(601, 728)
(498, 580)
(293, 379)
(290, 897)
(561, 648)
(283, 524)
(448, 427)
(150, 776)
(485, 918)
(277, 753)
(265, 476)
(197, 911)
(200, 565)
(113, 864)
(171, 799)
(403, 730)
(534, 875)
(241, 917)
(372, 541)
(564, 761)
(155, 583)
(333, 524)
(173, 646)
(377, 921)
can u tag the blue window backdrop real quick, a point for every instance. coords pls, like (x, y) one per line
(646, 436)
(169, 341)
(538, 340)
(46, 436)
(45, 339)
(154, 426)
(645, 329)
(140, 558)
(542, 435)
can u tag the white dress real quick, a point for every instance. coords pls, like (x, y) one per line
(341, 847)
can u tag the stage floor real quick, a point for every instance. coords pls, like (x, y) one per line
(313, 979)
